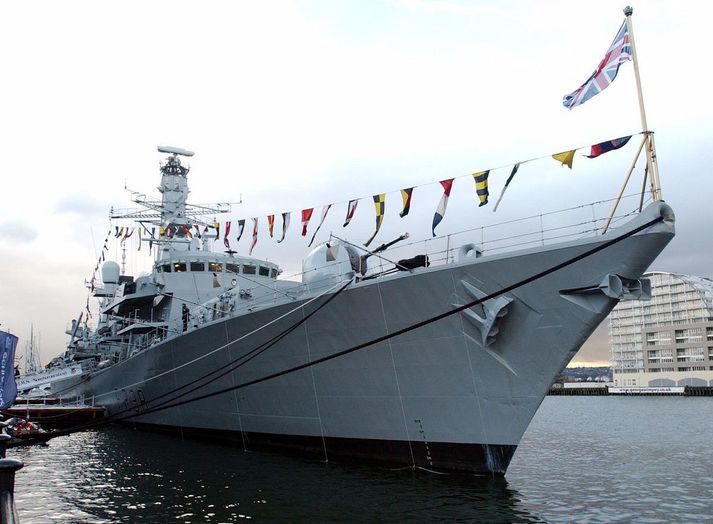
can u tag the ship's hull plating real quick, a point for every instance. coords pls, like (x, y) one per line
(435, 397)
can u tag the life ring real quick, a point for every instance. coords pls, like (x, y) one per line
(25, 426)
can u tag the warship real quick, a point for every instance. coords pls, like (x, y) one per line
(436, 361)
(432, 365)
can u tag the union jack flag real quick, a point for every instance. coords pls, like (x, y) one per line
(618, 53)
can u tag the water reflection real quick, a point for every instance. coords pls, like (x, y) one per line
(123, 475)
(583, 459)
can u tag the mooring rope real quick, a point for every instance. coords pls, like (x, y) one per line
(235, 363)
(205, 355)
(358, 347)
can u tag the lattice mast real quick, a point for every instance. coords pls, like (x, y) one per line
(172, 216)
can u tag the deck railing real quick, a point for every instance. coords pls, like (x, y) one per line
(536, 230)
(543, 229)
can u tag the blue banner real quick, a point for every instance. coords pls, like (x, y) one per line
(8, 389)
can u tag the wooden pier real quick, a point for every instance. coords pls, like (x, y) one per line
(56, 416)
(682, 391)
(579, 391)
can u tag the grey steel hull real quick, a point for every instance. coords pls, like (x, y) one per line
(435, 397)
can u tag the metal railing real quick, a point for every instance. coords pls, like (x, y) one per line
(536, 230)
(543, 229)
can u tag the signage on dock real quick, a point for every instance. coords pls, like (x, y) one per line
(653, 390)
(46, 377)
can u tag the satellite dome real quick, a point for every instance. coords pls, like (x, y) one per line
(110, 272)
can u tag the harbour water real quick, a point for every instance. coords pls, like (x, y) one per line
(583, 459)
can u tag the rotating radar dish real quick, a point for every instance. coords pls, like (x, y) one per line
(175, 150)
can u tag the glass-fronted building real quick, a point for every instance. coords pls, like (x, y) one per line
(668, 340)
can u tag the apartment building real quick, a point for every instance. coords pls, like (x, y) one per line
(667, 341)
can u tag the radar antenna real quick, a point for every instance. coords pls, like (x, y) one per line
(175, 150)
(172, 212)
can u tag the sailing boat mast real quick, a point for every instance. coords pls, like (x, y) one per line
(32, 357)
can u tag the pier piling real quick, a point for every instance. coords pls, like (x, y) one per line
(8, 512)
(4, 439)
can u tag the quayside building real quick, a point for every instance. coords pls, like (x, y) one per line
(668, 340)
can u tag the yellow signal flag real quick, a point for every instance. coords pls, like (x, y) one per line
(380, 206)
(216, 226)
(406, 195)
(566, 158)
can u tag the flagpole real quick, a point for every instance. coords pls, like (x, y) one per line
(654, 161)
(650, 151)
(643, 190)
(623, 186)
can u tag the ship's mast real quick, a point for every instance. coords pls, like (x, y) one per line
(174, 188)
(172, 216)
(123, 258)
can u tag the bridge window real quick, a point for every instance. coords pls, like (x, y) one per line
(273, 273)
(197, 266)
(249, 269)
(232, 268)
(215, 267)
(264, 271)
(166, 268)
(179, 267)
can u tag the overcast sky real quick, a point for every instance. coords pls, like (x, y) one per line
(299, 104)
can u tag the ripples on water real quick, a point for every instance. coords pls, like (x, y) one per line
(583, 459)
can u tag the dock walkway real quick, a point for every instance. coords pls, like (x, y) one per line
(683, 391)
(56, 416)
